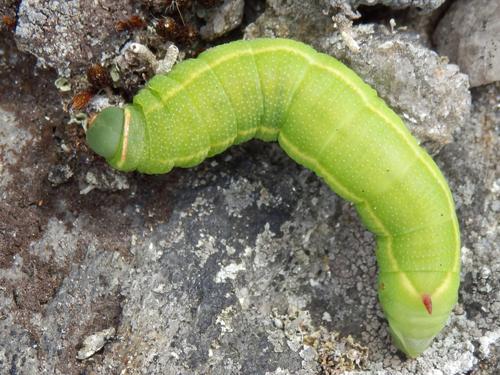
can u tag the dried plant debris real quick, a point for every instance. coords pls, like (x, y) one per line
(337, 354)
(320, 349)
(137, 62)
(88, 40)
(93, 343)
(130, 23)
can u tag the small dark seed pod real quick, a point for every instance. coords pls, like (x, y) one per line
(98, 76)
(188, 34)
(131, 23)
(167, 28)
(121, 25)
(9, 22)
(136, 22)
(81, 99)
(172, 30)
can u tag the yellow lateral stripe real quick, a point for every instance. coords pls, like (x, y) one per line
(266, 130)
(126, 126)
(189, 157)
(320, 170)
(444, 285)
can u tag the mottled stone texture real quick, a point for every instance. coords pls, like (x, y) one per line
(247, 264)
(222, 19)
(67, 35)
(425, 5)
(469, 34)
(8, 8)
(421, 5)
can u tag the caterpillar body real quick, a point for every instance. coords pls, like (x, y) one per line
(327, 119)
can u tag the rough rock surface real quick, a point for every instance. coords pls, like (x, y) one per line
(471, 39)
(247, 264)
(67, 35)
(221, 19)
(425, 5)
(8, 9)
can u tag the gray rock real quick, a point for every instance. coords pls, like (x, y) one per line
(292, 18)
(12, 139)
(469, 35)
(94, 343)
(59, 174)
(107, 180)
(476, 187)
(221, 19)
(67, 35)
(425, 5)
(18, 350)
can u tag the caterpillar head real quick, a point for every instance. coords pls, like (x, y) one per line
(105, 132)
(117, 135)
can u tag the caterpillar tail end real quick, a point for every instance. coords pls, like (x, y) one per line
(411, 346)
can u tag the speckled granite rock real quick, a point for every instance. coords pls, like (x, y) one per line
(221, 19)
(425, 5)
(67, 35)
(471, 39)
(8, 9)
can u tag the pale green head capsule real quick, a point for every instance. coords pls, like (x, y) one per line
(105, 132)
(117, 134)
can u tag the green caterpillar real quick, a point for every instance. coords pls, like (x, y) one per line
(327, 119)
